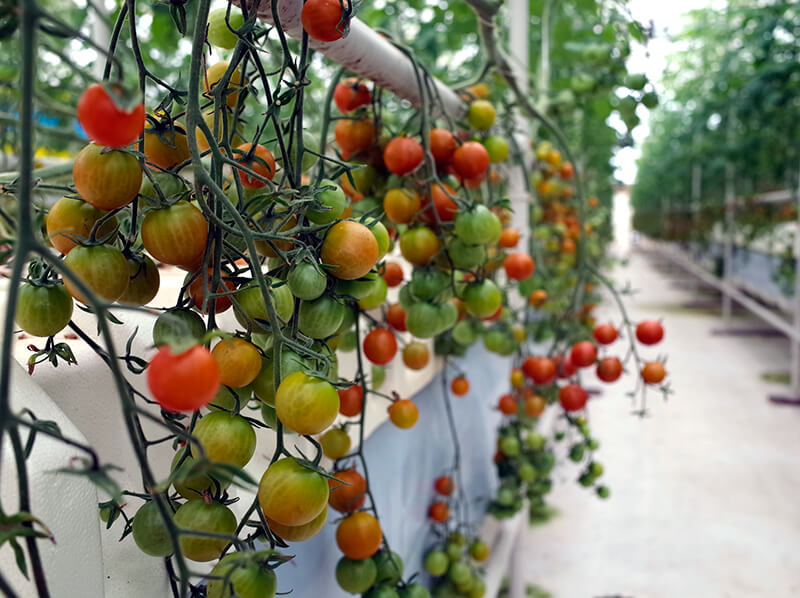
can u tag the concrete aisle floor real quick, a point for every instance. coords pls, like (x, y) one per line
(704, 492)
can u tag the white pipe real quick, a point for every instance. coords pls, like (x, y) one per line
(368, 55)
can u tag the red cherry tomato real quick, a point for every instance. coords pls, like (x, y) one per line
(471, 160)
(572, 397)
(566, 367)
(649, 332)
(542, 370)
(396, 317)
(507, 405)
(518, 266)
(442, 144)
(609, 369)
(321, 19)
(439, 511)
(605, 334)
(351, 94)
(653, 372)
(380, 346)
(444, 485)
(583, 354)
(108, 120)
(403, 413)
(403, 155)
(459, 386)
(183, 382)
(351, 400)
(392, 273)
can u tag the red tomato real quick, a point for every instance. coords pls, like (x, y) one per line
(359, 536)
(566, 170)
(507, 405)
(396, 317)
(183, 382)
(459, 386)
(572, 397)
(392, 273)
(380, 346)
(351, 400)
(649, 332)
(348, 494)
(198, 295)
(403, 413)
(471, 160)
(439, 511)
(538, 298)
(653, 372)
(509, 238)
(261, 161)
(445, 207)
(442, 144)
(110, 119)
(321, 19)
(609, 369)
(605, 334)
(566, 367)
(354, 135)
(534, 405)
(444, 485)
(542, 370)
(403, 155)
(583, 354)
(518, 266)
(351, 94)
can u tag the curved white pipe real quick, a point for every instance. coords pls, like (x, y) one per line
(366, 53)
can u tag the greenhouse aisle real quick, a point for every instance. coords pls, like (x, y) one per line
(703, 491)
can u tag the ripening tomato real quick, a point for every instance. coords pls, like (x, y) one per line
(507, 405)
(518, 266)
(350, 94)
(322, 19)
(299, 533)
(165, 143)
(534, 405)
(43, 310)
(235, 574)
(419, 245)
(509, 238)
(583, 354)
(306, 404)
(416, 355)
(197, 293)
(403, 413)
(226, 438)
(542, 370)
(605, 334)
(566, 171)
(351, 400)
(459, 386)
(392, 273)
(479, 550)
(260, 160)
(517, 377)
(184, 381)
(445, 207)
(401, 205)
(444, 485)
(471, 160)
(359, 535)
(109, 116)
(649, 332)
(538, 298)
(239, 361)
(291, 493)
(439, 511)
(198, 516)
(653, 372)
(107, 179)
(351, 248)
(100, 267)
(572, 397)
(609, 369)
(380, 346)
(396, 317)
(354, 135)
(442, 144)
(481, 115)
(176, 235)
(143, 281)
(403, 155)
(347, 491)
(335, 443)
(71, 220)
(214, 75)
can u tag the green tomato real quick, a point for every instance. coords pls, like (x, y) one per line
(497, 147)
(43, 310)
(390, 567)
(535, 441)
(459, 572)
(178, 325)
(479, 226)
(405, 297)
(526, 472)
(382, 592)
(464, 333)
(650, 100)
(241, 578)
(170, 184)
(364, 178)
(264, 384)
(377, 376)
(219, 33)
(253, 310)
(333, 203)
(306, 281)
(436, 562)
(226, 438)
(193, 486)
(499, 341)
(428, 283)
(482, 299)
(347, 341)
(198, 516)
(505, 496)
(415, 590)
(320, 318)
(453, 551)
(150, 532)
(635, 81)
(465, 256)
(423, 320)
(478, 589)
(510, 446)
(231, 399)
(448, 316)
(376, 295)
(356, 576)
(381, 236)
(359, 288)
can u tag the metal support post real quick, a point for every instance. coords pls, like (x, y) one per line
(727, 250)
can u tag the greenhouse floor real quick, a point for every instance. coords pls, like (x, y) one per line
(703, 490)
